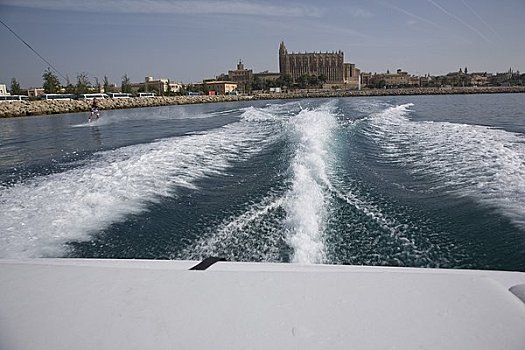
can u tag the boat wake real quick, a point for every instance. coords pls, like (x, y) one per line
(479, 162)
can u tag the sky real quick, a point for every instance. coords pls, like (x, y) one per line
(191, 40)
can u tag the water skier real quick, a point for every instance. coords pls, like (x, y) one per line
(94, 110)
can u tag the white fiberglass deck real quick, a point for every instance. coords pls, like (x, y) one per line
(133, 304)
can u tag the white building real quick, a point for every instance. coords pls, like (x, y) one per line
(3, 90)
(158, 85)
(175, 87)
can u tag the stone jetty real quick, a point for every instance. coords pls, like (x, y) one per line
(394, 92)
(41, 107)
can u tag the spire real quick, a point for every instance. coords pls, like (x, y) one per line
(282, 48)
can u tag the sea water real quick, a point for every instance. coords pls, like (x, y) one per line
(425, 181)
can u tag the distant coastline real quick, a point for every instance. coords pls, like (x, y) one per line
(35, 108)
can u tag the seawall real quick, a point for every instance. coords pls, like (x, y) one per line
(43, 107)
(29, 108)
(394, 92)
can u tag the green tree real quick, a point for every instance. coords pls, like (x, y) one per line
(51, 83)
(15, 87)
(69, 88)
(303, 81)
(106, 84)
(83, 85)
(126, 84)
(97, 85)
(257, 84)
(183, 91)
(313, 80)
(168, 92)
(284, 80)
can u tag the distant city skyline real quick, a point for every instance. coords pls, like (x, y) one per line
(187, 41)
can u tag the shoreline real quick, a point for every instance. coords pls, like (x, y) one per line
(15, 109)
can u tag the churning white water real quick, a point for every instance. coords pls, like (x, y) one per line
(307, 200)
(481, 162)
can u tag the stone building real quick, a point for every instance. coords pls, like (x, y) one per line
(220, 87)
(266, 76)
(352, 76)
(479, 79)
(242, 76)
(223, 87)
(161, 86)
(390, 80)
(329, 65)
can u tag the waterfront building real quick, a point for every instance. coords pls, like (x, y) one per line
(398, 79)
(366, 79)
(479, 79)
(242, 76)
(267, 76)
(220, 87)
(352, 76)
(329, 66)
(161, 86)
(458, 78)
(426, 80)
(246, 77)
(401, 78)
(33, 92)
(174, 87)
(3, 90)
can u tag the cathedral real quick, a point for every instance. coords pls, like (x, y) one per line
(329, 64)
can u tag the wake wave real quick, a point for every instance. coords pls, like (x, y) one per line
(295, 218)
(481, 162)
(253, 235)
(42, 214)
(306, 201)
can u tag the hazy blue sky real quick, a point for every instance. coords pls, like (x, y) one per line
(190, 40)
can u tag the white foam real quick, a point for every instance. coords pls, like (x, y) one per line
(101, 121)
(305, 203)
(387, 223)
(253, 114)
(481, 162)
(234, 231)
(307, 199)
(41, 214)
(274, 113)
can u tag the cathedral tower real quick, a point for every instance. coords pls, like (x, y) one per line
(282, 59)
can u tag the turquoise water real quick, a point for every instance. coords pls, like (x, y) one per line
(427, 181)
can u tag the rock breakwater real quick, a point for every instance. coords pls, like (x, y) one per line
(43, 107)
(394, 92)
(28, 108)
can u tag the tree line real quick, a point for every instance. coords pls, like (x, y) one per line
(305, 81)
(51, 84)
